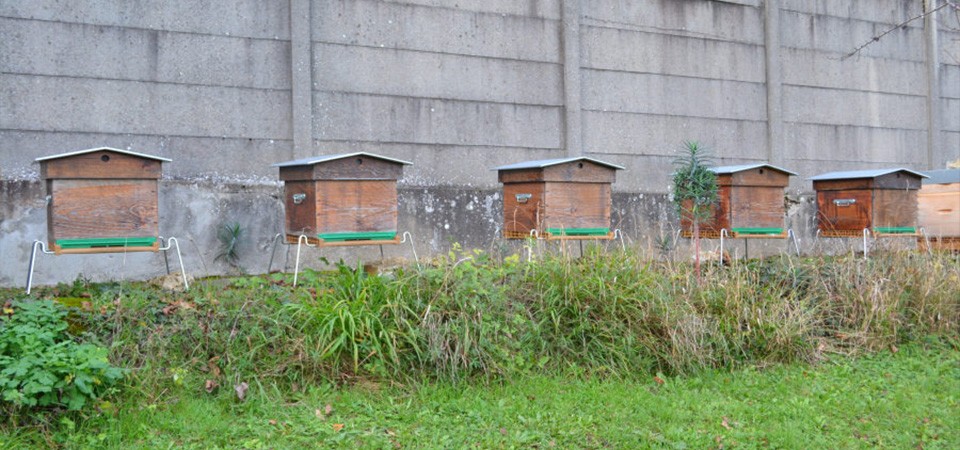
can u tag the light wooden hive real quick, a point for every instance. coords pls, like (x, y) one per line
(939, 208)
(344, 199)
(883, 201)
(750, 202)
(102, 200)
(559, 198)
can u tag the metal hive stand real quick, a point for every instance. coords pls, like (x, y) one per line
(725, 234)
(876, 233)
(311, 241)
(172, 243)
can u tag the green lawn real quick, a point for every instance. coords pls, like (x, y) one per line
(907, 399)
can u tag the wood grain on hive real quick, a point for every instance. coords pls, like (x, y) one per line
(344, 199)
(750, 202)
(102, 200)
(558, 198)
(939, 208)
(882, 200)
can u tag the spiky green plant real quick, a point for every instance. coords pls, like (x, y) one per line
(229, 236)
(694, 189)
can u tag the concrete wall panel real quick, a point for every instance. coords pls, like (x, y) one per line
(710, 19)
(861, 74)
(668, 95)
(548, 9)
(449, 29)
(868, 147)
(245, 18)
(93, 51)
(882, 11)
(950, 81)
(435, 75)
(360, 117)
(108, 106)
(841, 36)
(649, 52)
(838, 107)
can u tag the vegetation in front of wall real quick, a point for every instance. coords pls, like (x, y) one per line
(468, 318)
(229, 235)
(694, 190)
(43, 367)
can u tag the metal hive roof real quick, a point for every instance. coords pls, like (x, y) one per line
(722, 170)
(943, 176)
(871, 173)
(542, 163)
(91, 150)
(327, 158)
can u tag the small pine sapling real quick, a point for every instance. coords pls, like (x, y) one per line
(694, 190)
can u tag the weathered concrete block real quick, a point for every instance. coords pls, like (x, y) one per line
(670, 95)
(951, 113)
(360, 117)
(813, 68)
(842, 35)
(870, 147)
(840, 107)
(247, 18)
(692, 18)
(109, 106)
(480, 29)
(95, 51)
(655, 52)
(950, 81)
(882, 11)
(434, 75)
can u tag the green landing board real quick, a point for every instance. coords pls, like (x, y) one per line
(579, 231)
(895, 230)
(359, 236)
(107, 242)
(757, 230)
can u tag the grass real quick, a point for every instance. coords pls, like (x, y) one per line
(785, 348)
(910, 399)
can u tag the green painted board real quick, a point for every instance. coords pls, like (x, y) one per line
(579, 231)
(107, 242)
(895, 230)
(359, 236)
(757, 230)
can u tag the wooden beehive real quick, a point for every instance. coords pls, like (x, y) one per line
(750, 202)
(102, 200)
(883, 201)
(345, 199)
(559, 198)
(939, 208)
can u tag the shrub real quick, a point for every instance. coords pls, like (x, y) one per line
(41, 366)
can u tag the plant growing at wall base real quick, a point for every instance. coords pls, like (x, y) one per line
(229, 236)
(694, 190)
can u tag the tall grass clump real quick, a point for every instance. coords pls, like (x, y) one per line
(468, 316)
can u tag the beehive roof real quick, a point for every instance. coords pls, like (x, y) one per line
(542, 163)
(943, 176)
(91, 150)
(327, 158)
(872, 173)
(722, 170)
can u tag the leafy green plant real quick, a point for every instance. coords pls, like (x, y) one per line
(694, 190)
(229, 236)
(43, 367)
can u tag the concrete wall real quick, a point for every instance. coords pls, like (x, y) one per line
(457, 87)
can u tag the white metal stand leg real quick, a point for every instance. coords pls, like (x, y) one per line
(793, 236)
(296, 268)
(173, 243)
(273, 251)
(866, 231)
(407, 238)
(926, 240)
(33, 261)
(723, 234)
(616, 233)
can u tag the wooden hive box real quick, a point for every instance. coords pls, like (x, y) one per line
(345, 199)
(882, 200)
(559, 198)
(939, 208)
(102, 200)
(750, 202)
